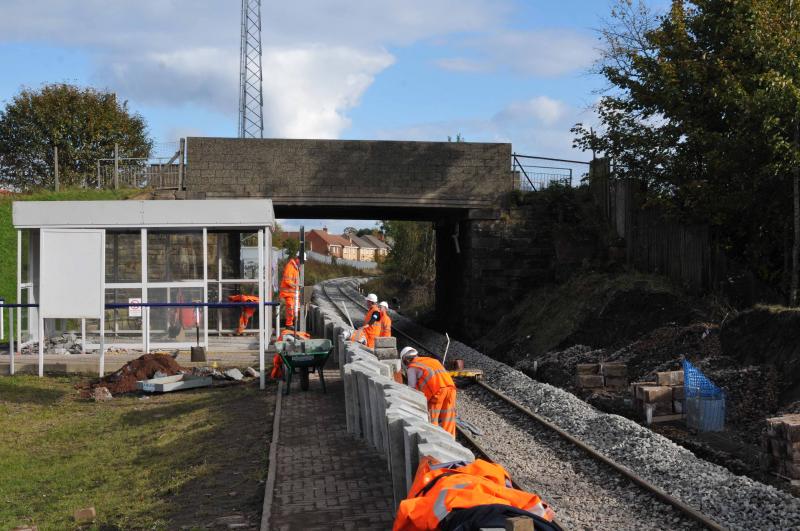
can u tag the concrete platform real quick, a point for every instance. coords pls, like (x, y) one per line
(327, 479)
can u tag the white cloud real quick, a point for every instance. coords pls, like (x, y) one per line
(537, 126)
(547, 111)
(543, 52)
(308, 91)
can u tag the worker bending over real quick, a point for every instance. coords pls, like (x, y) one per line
(290, 284)
(366, 334)
(247, 311)
(429, 376)
(457, 495)
(386, 321)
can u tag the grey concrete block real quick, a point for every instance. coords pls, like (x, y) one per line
(386, 353)
(445, 454)
(329, 330)
(386, 342)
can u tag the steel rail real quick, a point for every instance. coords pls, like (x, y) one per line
(621, 469)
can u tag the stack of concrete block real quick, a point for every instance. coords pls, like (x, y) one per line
(386, 348)
(660, 400)
(602, 375)
(780, 444)
(392, 418)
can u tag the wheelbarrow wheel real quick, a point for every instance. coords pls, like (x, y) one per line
(304, 378)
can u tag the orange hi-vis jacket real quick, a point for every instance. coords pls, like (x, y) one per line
(291, 277)
(386, 324)
(439, 489)
(434, 376)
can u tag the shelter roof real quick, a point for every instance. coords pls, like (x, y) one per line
(217, 213)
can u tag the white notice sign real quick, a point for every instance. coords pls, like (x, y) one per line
(134, 311)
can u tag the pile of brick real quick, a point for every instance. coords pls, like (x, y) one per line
(602, 376)
(663, 399)
(780, 443)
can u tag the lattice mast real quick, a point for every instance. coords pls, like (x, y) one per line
(251, 94)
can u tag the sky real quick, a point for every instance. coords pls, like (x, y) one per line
(492, 70)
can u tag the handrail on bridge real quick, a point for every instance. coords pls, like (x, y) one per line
(543, 179)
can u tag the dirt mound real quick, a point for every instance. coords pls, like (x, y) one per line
(596, 309)
(142, 368)
(767, 335)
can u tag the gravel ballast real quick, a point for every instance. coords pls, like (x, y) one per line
(736, 502)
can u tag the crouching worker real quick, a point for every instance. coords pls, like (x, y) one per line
(366, 334)
(429, 376)
(465, 497)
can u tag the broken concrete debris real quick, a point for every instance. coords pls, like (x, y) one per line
(234, 374)
(101, 394)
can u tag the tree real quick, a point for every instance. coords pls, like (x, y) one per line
(413, 252)
(83, 123)
(702, 106)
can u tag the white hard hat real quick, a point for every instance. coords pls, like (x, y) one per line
(372, 298)
(384, 304)
(408, 352)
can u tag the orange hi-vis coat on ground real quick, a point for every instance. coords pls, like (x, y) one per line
(289, 285)
(439, 489)
(364, 335)
(439, 390)
(247, 311)
(386, 324)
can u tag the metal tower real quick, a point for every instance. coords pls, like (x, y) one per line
(251, 95)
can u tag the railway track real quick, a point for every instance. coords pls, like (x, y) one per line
(587, 489)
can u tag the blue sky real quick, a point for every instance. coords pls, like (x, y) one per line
(493, 70)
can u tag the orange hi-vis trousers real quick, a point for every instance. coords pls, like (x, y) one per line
(288, 303)
(442, 409)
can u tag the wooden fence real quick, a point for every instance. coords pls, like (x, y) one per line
(654, 243)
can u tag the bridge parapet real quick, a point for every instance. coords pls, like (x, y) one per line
(332, 172)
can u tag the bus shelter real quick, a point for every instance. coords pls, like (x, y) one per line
(142, 274)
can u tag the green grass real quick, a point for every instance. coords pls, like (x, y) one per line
(129, 458)
(8, 236)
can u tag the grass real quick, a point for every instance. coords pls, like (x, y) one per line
(8, 236)
(128, 457)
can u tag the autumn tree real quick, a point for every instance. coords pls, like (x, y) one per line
(702, 105)
(83, 123)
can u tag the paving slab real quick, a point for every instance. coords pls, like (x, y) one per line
(327, 479)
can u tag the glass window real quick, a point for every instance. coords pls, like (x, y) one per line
(123, 257)
(177, 324)
(174, 256)
(118, 320)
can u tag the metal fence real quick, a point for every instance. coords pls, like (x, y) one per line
(162, 170)
(536, 173)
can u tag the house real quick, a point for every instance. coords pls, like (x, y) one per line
(366, 249)
(321, 241)
(381, 247)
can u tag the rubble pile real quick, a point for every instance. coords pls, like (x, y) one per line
(67, 343)
(142, 368)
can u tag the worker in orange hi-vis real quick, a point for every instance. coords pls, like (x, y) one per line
(247, 311)
(372, 303)
(386, 321)
(478, 495)
(429, 376)
(290, 283)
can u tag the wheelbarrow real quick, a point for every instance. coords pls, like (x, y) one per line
(304, 357)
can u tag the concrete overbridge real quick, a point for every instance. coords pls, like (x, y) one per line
(462, 187)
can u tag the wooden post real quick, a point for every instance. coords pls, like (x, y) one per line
(55, 166)
(116, 166)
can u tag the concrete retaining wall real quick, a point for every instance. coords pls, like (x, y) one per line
(391, 417)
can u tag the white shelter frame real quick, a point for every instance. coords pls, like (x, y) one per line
(231, 215)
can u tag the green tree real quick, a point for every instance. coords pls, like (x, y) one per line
(413, 254)
(702, 105)
(83, 123)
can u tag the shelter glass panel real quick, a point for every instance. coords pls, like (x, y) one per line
(123, 256)
(174, 256)
(119, 321)
(178, 325)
